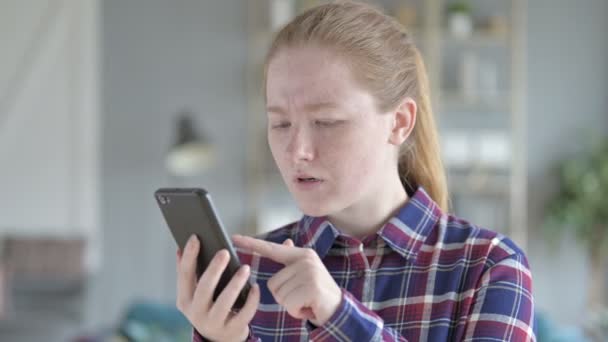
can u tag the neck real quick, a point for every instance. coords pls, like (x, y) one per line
(369, 215)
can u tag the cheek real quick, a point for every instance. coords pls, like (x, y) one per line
(353, 157)
(274, 143)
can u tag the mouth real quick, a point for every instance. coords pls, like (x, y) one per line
(306, 179)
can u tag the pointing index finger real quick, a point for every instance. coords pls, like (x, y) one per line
(284, 254)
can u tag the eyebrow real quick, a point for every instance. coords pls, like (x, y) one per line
(311, 107)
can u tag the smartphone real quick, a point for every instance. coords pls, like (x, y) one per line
(190, 211)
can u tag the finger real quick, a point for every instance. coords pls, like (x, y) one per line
(203, 295)
(296, 303)
(248, 310)
(280, 293)
(178, 259)
(288, 242)
(229, 294)
(279, 253)
(186, 276)
(307, 313)
(280, 278)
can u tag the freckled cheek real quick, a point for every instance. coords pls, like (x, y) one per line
(348, 161)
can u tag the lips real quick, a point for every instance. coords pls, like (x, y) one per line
(305, 178)
(308, 180)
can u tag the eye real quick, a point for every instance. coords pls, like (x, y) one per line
(325, 123)
(281, 125)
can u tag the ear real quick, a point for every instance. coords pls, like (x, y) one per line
(404, 119)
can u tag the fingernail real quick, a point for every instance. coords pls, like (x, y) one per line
(191, 241)
(244, 269)
(220, 253)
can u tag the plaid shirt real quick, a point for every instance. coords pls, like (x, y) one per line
(425, 276)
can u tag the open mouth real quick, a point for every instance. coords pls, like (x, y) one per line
(308, 180)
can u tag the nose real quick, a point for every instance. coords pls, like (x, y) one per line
(300, 146)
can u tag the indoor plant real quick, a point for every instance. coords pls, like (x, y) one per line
(581, 206)
(460, 21)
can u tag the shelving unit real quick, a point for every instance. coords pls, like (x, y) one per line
(478, 91)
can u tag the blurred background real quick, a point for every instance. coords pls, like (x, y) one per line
(104, 101)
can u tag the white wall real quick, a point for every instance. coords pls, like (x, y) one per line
(49, 130)
(567, 105)
(159, 57)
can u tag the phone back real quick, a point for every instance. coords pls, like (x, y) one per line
(189, 211)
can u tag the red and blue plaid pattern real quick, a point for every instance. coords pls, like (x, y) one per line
(425, 276)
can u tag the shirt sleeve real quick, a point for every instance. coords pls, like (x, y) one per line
(197, 337)
(353, 321)
(503, 307)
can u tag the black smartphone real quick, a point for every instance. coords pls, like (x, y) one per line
(189, 211)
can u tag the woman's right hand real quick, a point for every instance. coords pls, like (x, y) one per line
(213, 320)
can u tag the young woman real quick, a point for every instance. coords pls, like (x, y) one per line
(376, 256)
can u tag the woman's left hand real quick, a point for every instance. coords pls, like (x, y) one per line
(304, 286)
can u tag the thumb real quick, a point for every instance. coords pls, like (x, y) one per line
(288, 242)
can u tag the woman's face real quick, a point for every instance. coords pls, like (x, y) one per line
(330, 142)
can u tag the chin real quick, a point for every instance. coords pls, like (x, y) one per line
(313, 208)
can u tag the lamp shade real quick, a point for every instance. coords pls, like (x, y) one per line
(192, 153)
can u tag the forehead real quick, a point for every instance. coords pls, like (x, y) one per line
(301, 75)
